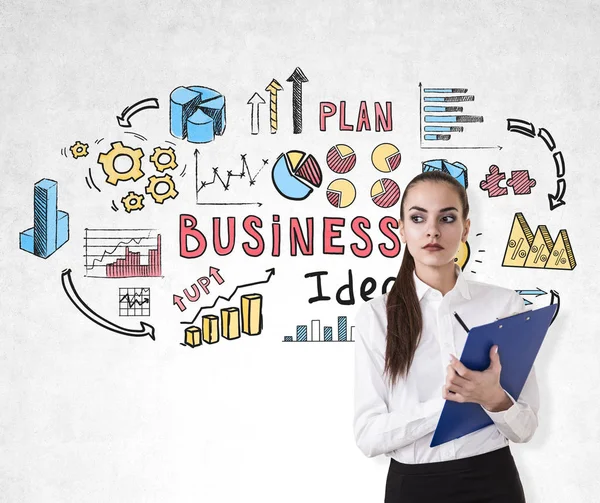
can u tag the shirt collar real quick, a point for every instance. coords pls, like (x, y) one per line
(461, 284)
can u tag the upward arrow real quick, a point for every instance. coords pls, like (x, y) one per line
(255, 101)
(274, 87)
(298, 78)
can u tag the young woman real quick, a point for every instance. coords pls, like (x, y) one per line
(406, 366)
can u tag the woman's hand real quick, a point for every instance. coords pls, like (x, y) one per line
(474, 386)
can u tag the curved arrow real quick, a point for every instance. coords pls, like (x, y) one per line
(556, 200)
(129, 112)
(78, 302)
(554, 299)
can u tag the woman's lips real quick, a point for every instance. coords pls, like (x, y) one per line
(432, 248)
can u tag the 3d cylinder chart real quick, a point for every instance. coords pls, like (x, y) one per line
(197, 114)
(50, 225)
(232, 322)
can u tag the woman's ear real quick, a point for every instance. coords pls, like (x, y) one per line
(465, 234)
(401, 230)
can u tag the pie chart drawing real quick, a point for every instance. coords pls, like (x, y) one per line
(295, 174)
(341, 193)
(386, 157)
(385, 193)
(341, 159)
(196, 113)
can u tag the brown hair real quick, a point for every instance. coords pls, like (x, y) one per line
(404, 319)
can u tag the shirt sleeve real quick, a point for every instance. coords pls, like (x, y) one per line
(376, 429)
(519, 422)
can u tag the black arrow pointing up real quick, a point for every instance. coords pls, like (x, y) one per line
(298, 78)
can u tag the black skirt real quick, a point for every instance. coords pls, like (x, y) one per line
(486, 478)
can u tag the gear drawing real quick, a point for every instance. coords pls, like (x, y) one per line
(133, 201)
(108, 163)
(161, 166)
(79, 149)
(159, 197)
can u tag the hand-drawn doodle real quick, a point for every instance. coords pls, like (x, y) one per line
(255, 101)
(492, 182)
(249, 306)
(50, 225)
(90, 181)
(108, 253)
(463, 254)
(295, 174)
(386, 157)
(341, 193)
(297, 78)
(118, 150)
(79, 149)
(156, 188)
(520, 182)
(439, 123)
(274, 87)
(71, 292)
(203, 283)
(134, 301)
(128, 112)
(113, 206)
(193, 242)
(455, 169)
(163, 158)
(383, 121)
(341, 159)
(385, 193)
(132, 201)
(528, 129)
(326, 335)
(230, 174)
(247, 319)
(197, 114)
(523, 249)
(367, 287)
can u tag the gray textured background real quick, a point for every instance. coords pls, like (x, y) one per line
(89, 416)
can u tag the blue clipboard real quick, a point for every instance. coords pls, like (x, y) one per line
(519, 338)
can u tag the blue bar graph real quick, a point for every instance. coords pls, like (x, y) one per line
(303, 334)
(50, 225)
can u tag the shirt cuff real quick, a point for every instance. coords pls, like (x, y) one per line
(504, 416)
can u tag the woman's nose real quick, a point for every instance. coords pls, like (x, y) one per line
(433, 231)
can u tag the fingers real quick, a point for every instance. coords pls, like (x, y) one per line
(454, 397)
(460, 368)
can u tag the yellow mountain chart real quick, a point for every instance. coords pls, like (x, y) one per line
(524, 249)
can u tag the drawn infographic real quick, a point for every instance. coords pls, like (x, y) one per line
(50, 228)
(131, 172)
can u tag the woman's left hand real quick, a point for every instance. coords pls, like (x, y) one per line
(475, 386)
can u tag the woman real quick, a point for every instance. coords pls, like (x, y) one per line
(406, 366)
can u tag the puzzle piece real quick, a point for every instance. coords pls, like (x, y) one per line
(520, 182)
(492, 182)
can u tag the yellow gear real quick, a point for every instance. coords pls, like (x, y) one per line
(79, 149)
(133, 201)
(154, 181)
(108, 163)
(161, 166)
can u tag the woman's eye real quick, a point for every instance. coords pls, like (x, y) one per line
(450, 217)
(414, 217)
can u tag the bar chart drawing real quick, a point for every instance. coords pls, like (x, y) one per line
(231, 324)
(326, 335)
(50, 225)
(444, 117)
(122, 253)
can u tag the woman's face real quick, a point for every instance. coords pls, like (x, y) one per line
(433, 214)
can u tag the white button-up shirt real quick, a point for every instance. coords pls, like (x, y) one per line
(400, 422)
